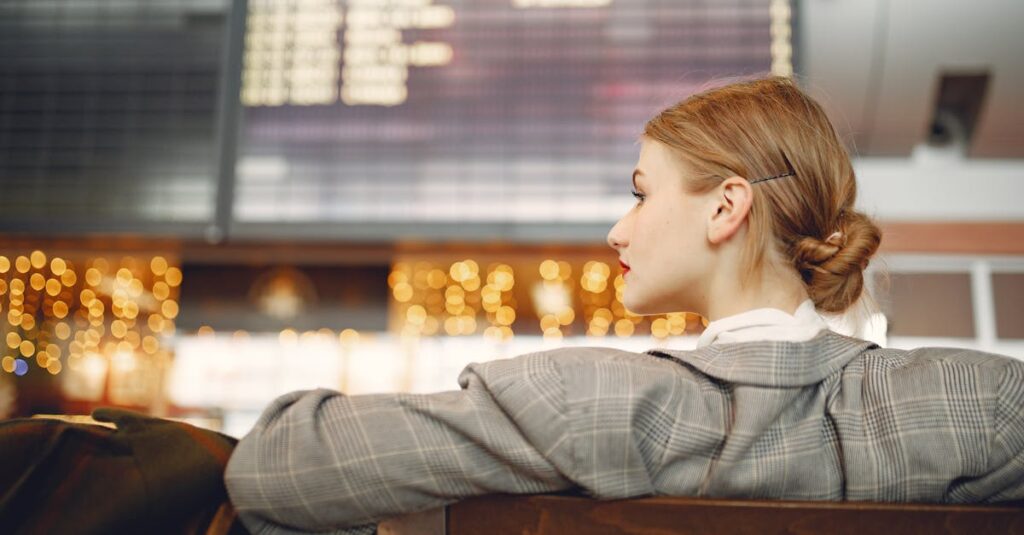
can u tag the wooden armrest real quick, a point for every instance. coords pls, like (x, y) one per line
(224, 521)
(565, 515)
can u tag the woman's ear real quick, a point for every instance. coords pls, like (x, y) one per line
(731, 202)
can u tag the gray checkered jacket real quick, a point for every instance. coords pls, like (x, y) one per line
(832, 418)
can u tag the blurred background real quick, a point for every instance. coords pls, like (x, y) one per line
(208, 203)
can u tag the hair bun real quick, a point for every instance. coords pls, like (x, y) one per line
(833, 268)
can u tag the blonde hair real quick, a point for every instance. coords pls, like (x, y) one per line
(764, 127)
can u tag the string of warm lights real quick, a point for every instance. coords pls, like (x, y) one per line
(104, 325)
(431, 297)
(91, 317)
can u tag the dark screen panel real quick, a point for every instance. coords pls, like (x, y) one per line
(108, 111)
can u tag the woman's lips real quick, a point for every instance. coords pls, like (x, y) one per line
(625, 267)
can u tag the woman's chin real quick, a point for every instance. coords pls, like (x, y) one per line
(642, 307)
(637, 306)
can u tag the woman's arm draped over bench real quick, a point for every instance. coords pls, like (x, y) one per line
(320, 460)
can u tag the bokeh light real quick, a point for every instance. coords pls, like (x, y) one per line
(38, 259)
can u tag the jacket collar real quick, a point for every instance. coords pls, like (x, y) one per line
(773, 363)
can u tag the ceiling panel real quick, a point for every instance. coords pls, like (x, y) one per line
(876, 64)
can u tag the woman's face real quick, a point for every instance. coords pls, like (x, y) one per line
(663, 238)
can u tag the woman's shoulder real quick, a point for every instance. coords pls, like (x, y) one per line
(894, 360)
(959, 377)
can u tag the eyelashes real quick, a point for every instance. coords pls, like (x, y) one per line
(638, 196)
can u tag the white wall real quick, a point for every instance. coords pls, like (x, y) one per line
(940, 186)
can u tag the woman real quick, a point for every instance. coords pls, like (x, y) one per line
(745, 215)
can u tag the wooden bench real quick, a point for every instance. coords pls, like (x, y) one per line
(570, 515)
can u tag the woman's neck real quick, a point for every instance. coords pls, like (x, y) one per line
(772, 291)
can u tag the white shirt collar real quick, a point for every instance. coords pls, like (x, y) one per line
(765, 324)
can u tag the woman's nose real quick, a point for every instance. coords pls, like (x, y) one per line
(616, 236)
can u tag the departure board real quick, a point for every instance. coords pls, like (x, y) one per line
(108, 114)
(426, 111)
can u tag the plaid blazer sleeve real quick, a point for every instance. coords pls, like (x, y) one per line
(1004, 477)
(319, 460)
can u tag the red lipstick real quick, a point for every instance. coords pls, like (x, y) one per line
(625, 267)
